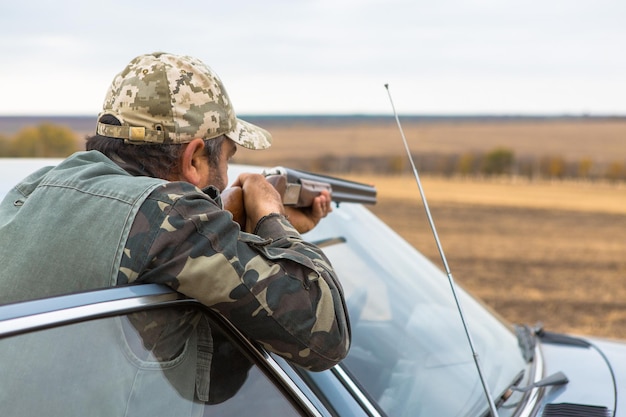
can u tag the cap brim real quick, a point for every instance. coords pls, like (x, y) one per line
(250, 136)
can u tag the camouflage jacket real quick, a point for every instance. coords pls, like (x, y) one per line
(278, 289)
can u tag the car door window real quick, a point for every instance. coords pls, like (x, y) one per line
(167, 362)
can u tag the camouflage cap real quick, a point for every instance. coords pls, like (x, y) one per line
(162, 98)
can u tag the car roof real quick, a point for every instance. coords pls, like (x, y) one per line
(13, 170)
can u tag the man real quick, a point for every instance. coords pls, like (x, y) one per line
(143, 205)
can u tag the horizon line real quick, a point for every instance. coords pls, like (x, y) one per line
(373, 115)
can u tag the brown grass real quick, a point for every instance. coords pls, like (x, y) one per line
(602, 140)
(531, 262)
(558, 195)
(545, 252)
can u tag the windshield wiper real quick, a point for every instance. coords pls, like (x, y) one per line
(557, 378)
(507, 394)
(527, 341)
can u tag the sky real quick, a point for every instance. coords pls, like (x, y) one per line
(440, 57)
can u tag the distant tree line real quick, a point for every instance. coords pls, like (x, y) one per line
(51, 140)
(498, 162)
(45, 140)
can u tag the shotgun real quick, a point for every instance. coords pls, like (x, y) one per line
(299, 188)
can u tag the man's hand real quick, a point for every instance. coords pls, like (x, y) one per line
(258, 199)
(253, 192)
(232, 200)
(305, 219)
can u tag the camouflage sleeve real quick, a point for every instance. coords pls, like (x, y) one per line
(278, 289)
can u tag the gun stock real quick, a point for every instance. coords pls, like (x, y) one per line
(299, 188)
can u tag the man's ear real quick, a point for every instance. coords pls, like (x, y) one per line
(192, 162)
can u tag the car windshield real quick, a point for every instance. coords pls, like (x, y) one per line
(409, 351)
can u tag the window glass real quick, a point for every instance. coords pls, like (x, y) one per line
(170, 362)
(409, 350)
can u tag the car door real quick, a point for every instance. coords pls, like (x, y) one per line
(136, 351)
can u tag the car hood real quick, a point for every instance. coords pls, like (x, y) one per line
(596, 370)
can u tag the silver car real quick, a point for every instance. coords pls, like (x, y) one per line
(79, 354)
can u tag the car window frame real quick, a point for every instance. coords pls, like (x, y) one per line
(46, 313)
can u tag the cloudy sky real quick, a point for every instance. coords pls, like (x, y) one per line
(328, 56)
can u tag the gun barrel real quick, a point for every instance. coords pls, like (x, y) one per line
(342, 190)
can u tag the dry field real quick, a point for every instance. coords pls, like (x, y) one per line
(601, 139)
(545, 252)
(549, 252)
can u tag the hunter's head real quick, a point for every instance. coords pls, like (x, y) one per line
(176, 110)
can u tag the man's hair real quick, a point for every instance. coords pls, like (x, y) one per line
(159, 161)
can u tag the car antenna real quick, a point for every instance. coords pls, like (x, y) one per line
(492, 405)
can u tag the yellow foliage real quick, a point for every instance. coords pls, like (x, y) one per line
(44, 140)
